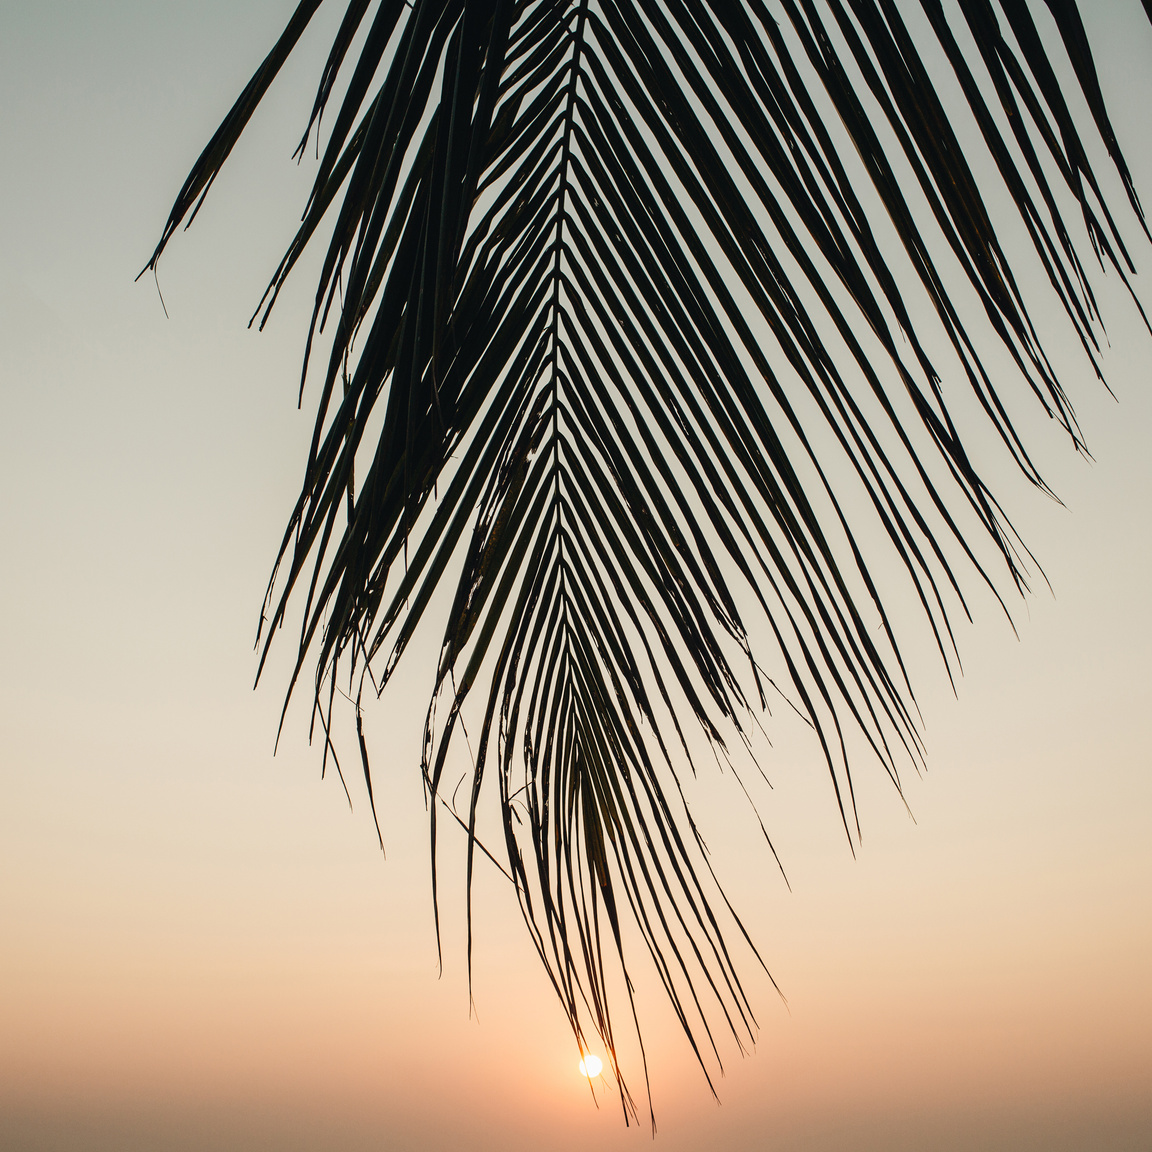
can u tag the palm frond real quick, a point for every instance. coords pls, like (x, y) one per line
(620, 295)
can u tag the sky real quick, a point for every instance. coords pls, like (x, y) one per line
(202, 947)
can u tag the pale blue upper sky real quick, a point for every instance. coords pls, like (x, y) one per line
(199, 938)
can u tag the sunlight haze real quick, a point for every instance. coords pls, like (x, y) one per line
(203, 947)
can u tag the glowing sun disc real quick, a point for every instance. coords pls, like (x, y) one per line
(590, 1066)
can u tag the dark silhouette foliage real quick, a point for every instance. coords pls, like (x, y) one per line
(633, 314)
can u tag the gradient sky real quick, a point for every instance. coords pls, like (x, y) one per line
(201, 947)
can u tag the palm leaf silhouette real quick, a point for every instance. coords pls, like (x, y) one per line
(620, 297)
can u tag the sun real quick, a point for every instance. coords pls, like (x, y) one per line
(590, 1066)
